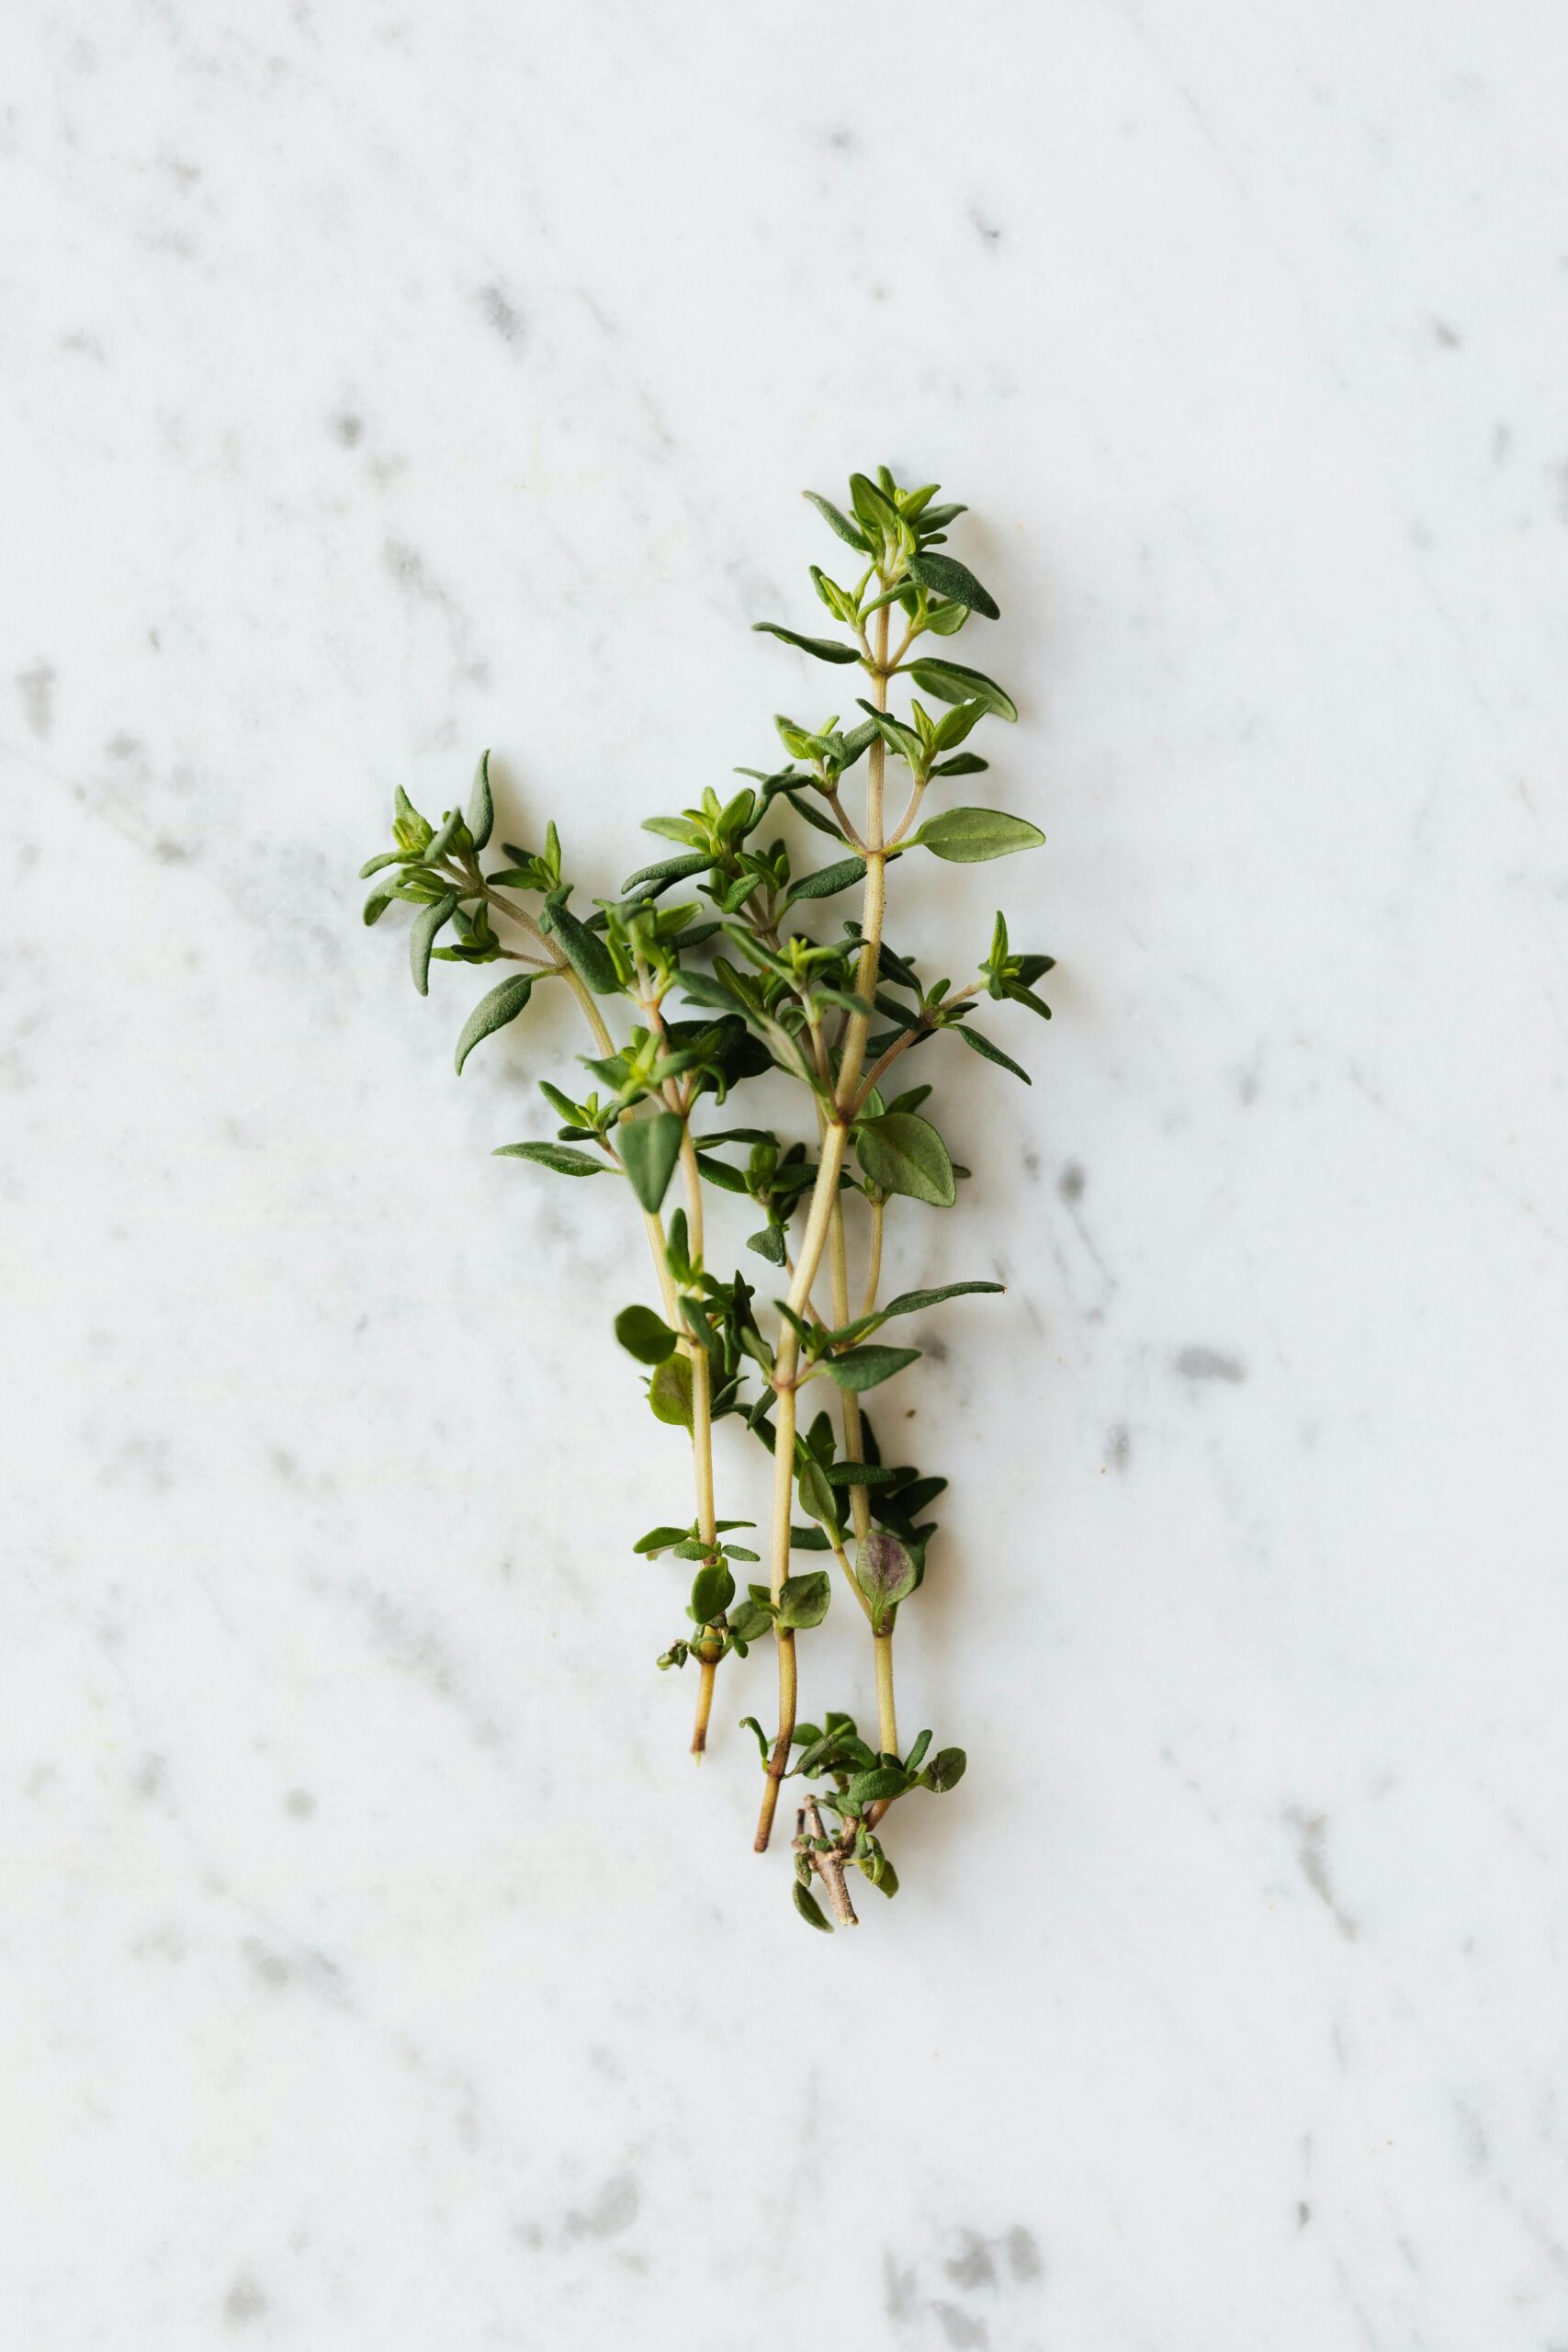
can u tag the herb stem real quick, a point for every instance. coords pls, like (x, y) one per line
(887, 1719)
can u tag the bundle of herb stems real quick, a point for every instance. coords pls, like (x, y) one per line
(805, 1007)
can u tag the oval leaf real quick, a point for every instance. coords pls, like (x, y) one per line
(646, 1336)
(951, 578)
(669, 1392)
(827, 880)
(951, 682)
(869, 1367)
(583, 949)
(712, 1589)
(648, 1149)
(909, 1302)
(978, 1043)
(970, 836)
(493, 1011)
(803, 1600)
(817, 1498)
(901, 1152)
(836, 521)
(558, 1155)
(885, 1573)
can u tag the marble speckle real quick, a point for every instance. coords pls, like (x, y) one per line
(382, 385)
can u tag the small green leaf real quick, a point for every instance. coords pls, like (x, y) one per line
(945, 1769)
(817, 1498)
(847, 531)
(910, 1302)
(645, 1335)
(868, 1367)
(583, 949)
(871, 1788)
(901, 1152)
(669, 1392)
(913, 1761)
(823, 648)
(719, 1172)
(659, 1539)
(769, 1244)
(811, 1910)
(493, 1011)
(977, 1042)
(803, 1599)
(885, 1573)
(970, 836)
(421, 938)
(949, 578)
(827, 880)
(558, 1155)
(712, 1589)
(750, 1723)
(480, 816)
(951, 682)
(648, 1149)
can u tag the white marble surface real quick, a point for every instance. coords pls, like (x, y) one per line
(382, 381)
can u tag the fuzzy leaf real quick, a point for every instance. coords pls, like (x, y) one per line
(970, 836)
(951, 682)
(712, 1589)
(901, 1152)
(827, 880)
(822, 648)
(669, 1392)
(868, 1367)
(583, 949)
(885, 1573)
(493, 1011)
(803, 1599)
(645, 1335)
(648, 1149)
(949, 578)
(910, 1302)
(811, 1910)
(558, 1155)
(977, 1040)
(479, 816)
(421, 938)
(848, 532)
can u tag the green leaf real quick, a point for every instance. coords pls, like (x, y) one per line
(645, 1335)
(376, 905)
(951, 682)
(558, 1155)
(910, 1302)
(949, 578)
(811, 1910)
(583, 949)
(868, 1367)
(970, 836)
(421, 938)
(493, 1011)
(659, 1539)
(885, 1573)
(667, 870)
(803, 1599)
(669, 1392)
(823, 648)
(836, 521)
(769, 1244)
(480, 816)
(913, 1761)
(945, 1769)
(827, 880)
(816, 1498)
(901, 1152)
(977, 1040)
(719, 1172)
(871, 1788)
(648, 1149)
(712, 1589)
(750, 1723)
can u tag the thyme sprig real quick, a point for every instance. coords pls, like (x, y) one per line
(708, 991)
